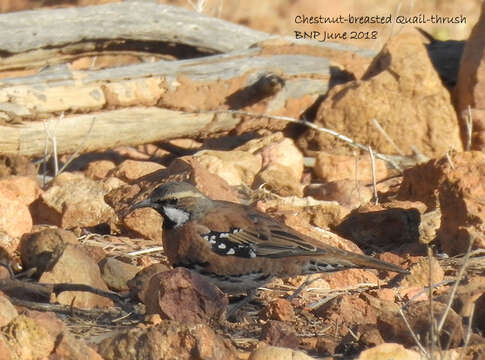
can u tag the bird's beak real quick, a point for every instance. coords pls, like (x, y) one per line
(142, 204)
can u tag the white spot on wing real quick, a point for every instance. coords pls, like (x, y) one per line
(230, 251)
(222, 246)
(178, 216)
(252, 254)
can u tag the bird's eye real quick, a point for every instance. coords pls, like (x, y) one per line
(172, 201)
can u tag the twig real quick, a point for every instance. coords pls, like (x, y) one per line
(145, 251)
(413, 334)
(373, 168)
(73, 156)
(386, 136)
(67, 309)
(312, 126)
(432, 322)
(469, 326)
(455, 286)
(469, 129)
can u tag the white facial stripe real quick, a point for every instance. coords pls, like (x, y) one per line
(178, 216)
(185, 194)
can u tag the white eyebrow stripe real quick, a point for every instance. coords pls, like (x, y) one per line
(184, 194)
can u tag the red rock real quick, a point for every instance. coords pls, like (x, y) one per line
(16, 165)
(27, 339)
(369, 335)
(280, 353)
(235, 167)
(117, 273)
(470, 86)
(279, 309)
(455, 182)
(146, 222)
(42, 249)
(403, 92)
(15, 218)
(393, 328)
(347, 193)
(99, 169)
(130, 170)
(139, 285)
(75, 266)
(73, 201)
(7, 310)
(330, 167)
(384, 226)
(24, 188)
(168, 340)
(278, 179)
(420, 274)
(348, 311)
(277, 333)
(70, 348)
(389, 351)
(351, 277)
(184, 296)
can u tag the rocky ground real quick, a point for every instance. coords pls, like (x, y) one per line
(82, 279)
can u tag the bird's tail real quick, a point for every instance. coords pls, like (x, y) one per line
(347, 260)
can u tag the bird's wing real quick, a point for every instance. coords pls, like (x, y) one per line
(241, 231)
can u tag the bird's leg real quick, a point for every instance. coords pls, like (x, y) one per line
(305, 283)
(233, 308)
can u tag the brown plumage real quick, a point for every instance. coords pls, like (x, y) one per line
(239, 248)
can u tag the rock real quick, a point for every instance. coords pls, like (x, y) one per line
(24, 188)
(348, 311)
(167, 340)
(8, 248)
(73, 200)
(141, 282)
(75, 266)
(27, 339)
(298, 213)
(131, 170)
(276, 149)
(7, 310)
(349, 278)
(369, 336)
(279, 309)
(42, 249)
(236, 167)
(16, 165)
(70, 348)
(15, 218)
(393, 328)
(470, 85)
(280, 353)
(146, 222)
(277, 333)
(455, 183)
(384, 226)
(420, 272)
(331, 167)
(116, 273)
(403, 92)
(389, 351)
(346, 192)
(184, 296)
(280, 180)
(99, 169)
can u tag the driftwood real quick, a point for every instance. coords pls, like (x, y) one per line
(131, 104)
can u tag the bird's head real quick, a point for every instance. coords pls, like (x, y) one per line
(177, 202)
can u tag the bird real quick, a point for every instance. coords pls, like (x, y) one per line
(238, 248)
